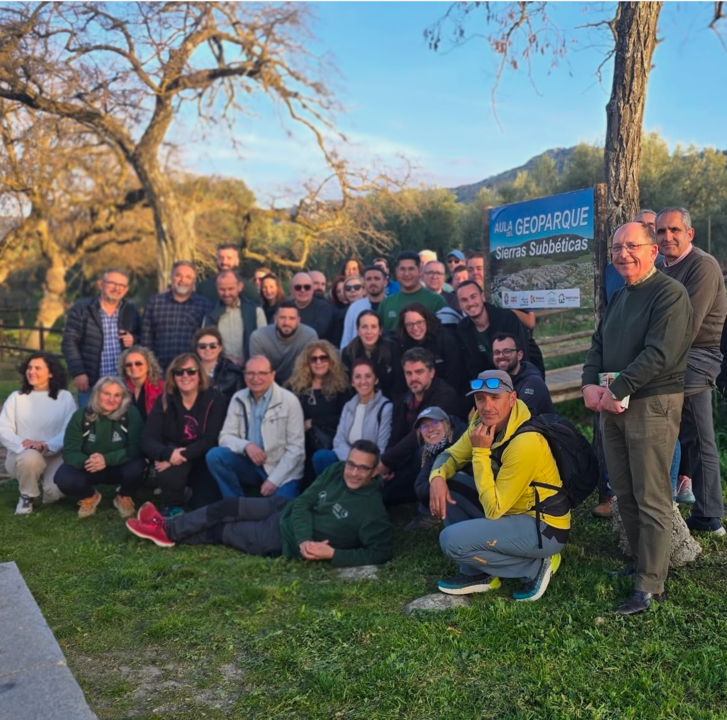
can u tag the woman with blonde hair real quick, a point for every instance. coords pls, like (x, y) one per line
(139, 369)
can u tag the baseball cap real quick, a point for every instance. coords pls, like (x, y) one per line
(457, 253)
(491, 381)
(431, 413)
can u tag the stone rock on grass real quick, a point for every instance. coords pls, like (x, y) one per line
(362, 572)
(684, 548)
(436, 601)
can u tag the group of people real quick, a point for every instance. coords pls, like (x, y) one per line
(287, 425)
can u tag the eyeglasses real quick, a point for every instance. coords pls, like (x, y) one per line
(416, 323)
(301, 288)
(630, 247)
(178, 372)
(121, 286)
(207, 346)
(352, 288)
(136, 363)
(490, 383)
(259, 373)
(319, 358)
(430, 425)
(434, 272)
(506, 353)
(358, 468)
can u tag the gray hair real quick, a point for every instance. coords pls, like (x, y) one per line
(184, 263)
(649, 234)
(94, 409)
(645, 211)
(154, 371)
(119, 271)
(686, 217)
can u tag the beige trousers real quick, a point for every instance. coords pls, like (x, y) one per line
(28, 467)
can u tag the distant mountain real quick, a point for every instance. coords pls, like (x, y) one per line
(468, 193)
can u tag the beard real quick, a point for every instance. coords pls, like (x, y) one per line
(182, 289)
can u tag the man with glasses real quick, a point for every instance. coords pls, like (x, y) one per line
(262, 442)
(454, 259)
(314, 312)
(409, 275)
(340, 518)
(283, 341)
(507, 354)
(97, 331)
(434, 281)
(644, 338)
(375, 286)
(499, 524)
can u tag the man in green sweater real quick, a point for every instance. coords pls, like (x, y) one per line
(340, 517)
(409, 275)
(644, 336)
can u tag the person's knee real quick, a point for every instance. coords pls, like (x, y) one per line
(30, 462)
(217, 457)
(449, 541)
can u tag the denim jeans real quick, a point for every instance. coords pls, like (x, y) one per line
(323, 459)
(84, 398)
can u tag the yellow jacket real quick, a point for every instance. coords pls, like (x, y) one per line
(525, 459)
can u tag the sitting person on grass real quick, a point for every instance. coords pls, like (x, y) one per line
(498, 522)
(102, 446)
(340, 518)
(32, 423)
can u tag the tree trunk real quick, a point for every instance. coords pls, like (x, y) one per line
(635, 42)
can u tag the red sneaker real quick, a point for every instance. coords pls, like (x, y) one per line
(153, 531)
(148, 513)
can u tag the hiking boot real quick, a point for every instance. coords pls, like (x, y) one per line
(171, 511)
(125, 505)
(24, 506)
(535, 589)
(468, 584)
(638, 602)
(153, 531)
(147, 513)
(684, 492)
(604, 509)
(622, 572)
(713, 526)
(87, 506)
(422, 522)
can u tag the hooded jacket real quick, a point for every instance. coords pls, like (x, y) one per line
(532, 390)
(507, 490)
(354, 522)
(377, 409)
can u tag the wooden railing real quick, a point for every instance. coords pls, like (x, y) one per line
(6, 346)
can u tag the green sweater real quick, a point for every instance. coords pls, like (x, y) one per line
(391, 306)
(108, 437)
(354, 522)
(645, 335)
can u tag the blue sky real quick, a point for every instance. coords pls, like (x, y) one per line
(434, 108)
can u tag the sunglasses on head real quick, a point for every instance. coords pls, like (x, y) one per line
(208, 346)
(300, 288)
(319, 358)
(352, 288)
(490, 383)
(135, 363)
(178, 372)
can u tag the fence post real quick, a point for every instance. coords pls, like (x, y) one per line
(41, 329)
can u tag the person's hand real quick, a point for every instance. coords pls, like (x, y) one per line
(177, 457)
(311, 550)
(95, 463)
(37, 445)
(307, 425)
(592, 395)
(609, 405)
(256, 454)
(81, 382)
(162, 465)
(439, 498)
(267, 489)
(127, 339)
(385, 472)
(482, 436)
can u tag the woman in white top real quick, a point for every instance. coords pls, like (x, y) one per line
(32, 423)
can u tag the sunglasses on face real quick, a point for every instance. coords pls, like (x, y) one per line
(135, 363)
(319, 358)
(352, 288)
(490, 383)
(302, 288)
(191, 372)
(207, 346)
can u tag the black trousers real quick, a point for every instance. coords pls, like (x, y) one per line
(77, 482)
(174, 480)
(400, 489)
(247, 524)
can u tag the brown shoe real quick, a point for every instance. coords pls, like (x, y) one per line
(87, 506)
(125, 506)
(604, 509)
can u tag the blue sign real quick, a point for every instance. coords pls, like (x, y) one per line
(540, 246)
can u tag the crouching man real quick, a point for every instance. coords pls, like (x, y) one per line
(340, 517)
(507, 521)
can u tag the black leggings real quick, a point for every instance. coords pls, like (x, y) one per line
(77, 482)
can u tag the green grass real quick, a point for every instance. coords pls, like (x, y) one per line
(208, 632)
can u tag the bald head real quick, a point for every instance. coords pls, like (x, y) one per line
(302, 287)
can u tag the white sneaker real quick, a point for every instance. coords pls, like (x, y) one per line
(24, 506)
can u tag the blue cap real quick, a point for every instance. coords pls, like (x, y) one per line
(457, 253)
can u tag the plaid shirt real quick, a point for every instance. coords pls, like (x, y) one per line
(167, 326)
(111, 343)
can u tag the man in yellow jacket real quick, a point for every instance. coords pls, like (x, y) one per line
(498, 524)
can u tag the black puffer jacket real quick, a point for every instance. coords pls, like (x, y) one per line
(82, 342)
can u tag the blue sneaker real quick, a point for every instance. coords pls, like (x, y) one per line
(708, 525)
(535, 589)
(468, 584)
(171, 511)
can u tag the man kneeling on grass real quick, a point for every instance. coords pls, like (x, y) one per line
(340, 517)
(523, 526)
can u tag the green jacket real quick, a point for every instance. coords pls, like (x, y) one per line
(355, 522)
(117, 441)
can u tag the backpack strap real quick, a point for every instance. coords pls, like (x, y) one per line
(381, 411)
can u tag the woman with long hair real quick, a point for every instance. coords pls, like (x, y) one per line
(319, 380)
(32, 424)
(351, 267)
(139, 369)
(225, 376)
(102, 446)
(271, 295)
(183, 426)
(420, 327)
(371, 344)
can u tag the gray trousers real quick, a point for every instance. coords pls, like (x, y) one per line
(505, 548)
(247, 524)
(696, 433)
(639, 445)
